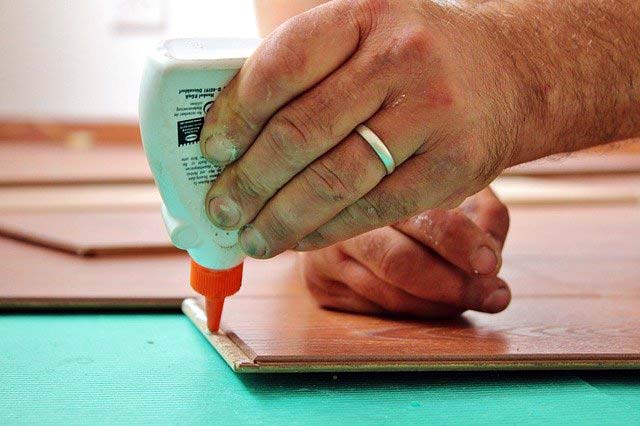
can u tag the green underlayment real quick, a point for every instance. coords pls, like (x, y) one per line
(157, 369)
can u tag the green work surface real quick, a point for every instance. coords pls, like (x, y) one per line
(158, 369)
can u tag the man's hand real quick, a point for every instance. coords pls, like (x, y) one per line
(456, 90)
(436, 264)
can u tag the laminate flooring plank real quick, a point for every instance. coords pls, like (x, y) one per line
(38, 277)
(89, 233)
(571, 309)
(73, 198)
(578, 332)
(56, 163)
(557, 276)
(537, 331)
(602, 231)
(547, 328)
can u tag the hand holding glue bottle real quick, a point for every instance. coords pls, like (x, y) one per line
(181, 80)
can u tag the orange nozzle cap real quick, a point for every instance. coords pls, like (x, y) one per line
(213, 308)
(215, 285)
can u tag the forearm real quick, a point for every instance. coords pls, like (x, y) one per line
(574, 71)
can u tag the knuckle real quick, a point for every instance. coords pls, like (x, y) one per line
(279, 229)
(393, 303)
(319, 293)
(408, 49)
(499, 217)
(328, 184)
(371, 244)
(248, 186)
(327, 293)
(395, 263)
(313, 241)
(282, 62)
(500, 213)
(233, 109)
(388, 262)
(413, 45)
(288, 138)
(362, 213)
(472, 294)
(243, 115)
(450, 229)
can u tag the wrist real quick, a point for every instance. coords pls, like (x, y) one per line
(488, 92)
(574, 74)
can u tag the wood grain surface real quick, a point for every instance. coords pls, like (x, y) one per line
(575, 276)
(90, 233)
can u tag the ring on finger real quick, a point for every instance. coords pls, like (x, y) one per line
(378, 146)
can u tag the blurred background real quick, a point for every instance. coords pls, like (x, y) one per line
(79, 214)
(73, 176)
(81, 60)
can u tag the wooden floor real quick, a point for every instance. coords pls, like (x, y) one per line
(575, 275)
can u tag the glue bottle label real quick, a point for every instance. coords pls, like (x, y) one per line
(189, 114)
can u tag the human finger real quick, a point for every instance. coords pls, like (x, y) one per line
(288, 62)
(489, 213)
(330, 184)
(404, 263)
(299, 133)
(398, 196)
(456, 238)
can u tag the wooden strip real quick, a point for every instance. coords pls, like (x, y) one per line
(228, 350)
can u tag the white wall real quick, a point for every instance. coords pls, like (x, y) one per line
(65, 59)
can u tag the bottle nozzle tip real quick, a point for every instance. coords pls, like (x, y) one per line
(213, 309)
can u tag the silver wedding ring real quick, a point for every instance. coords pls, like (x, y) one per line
(378, 146)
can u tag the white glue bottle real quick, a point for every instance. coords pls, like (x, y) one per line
(180, 83)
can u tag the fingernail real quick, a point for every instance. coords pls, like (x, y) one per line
(224, 212)
(496, 301)
(484, 261)
(252, 242)
(220, 149)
